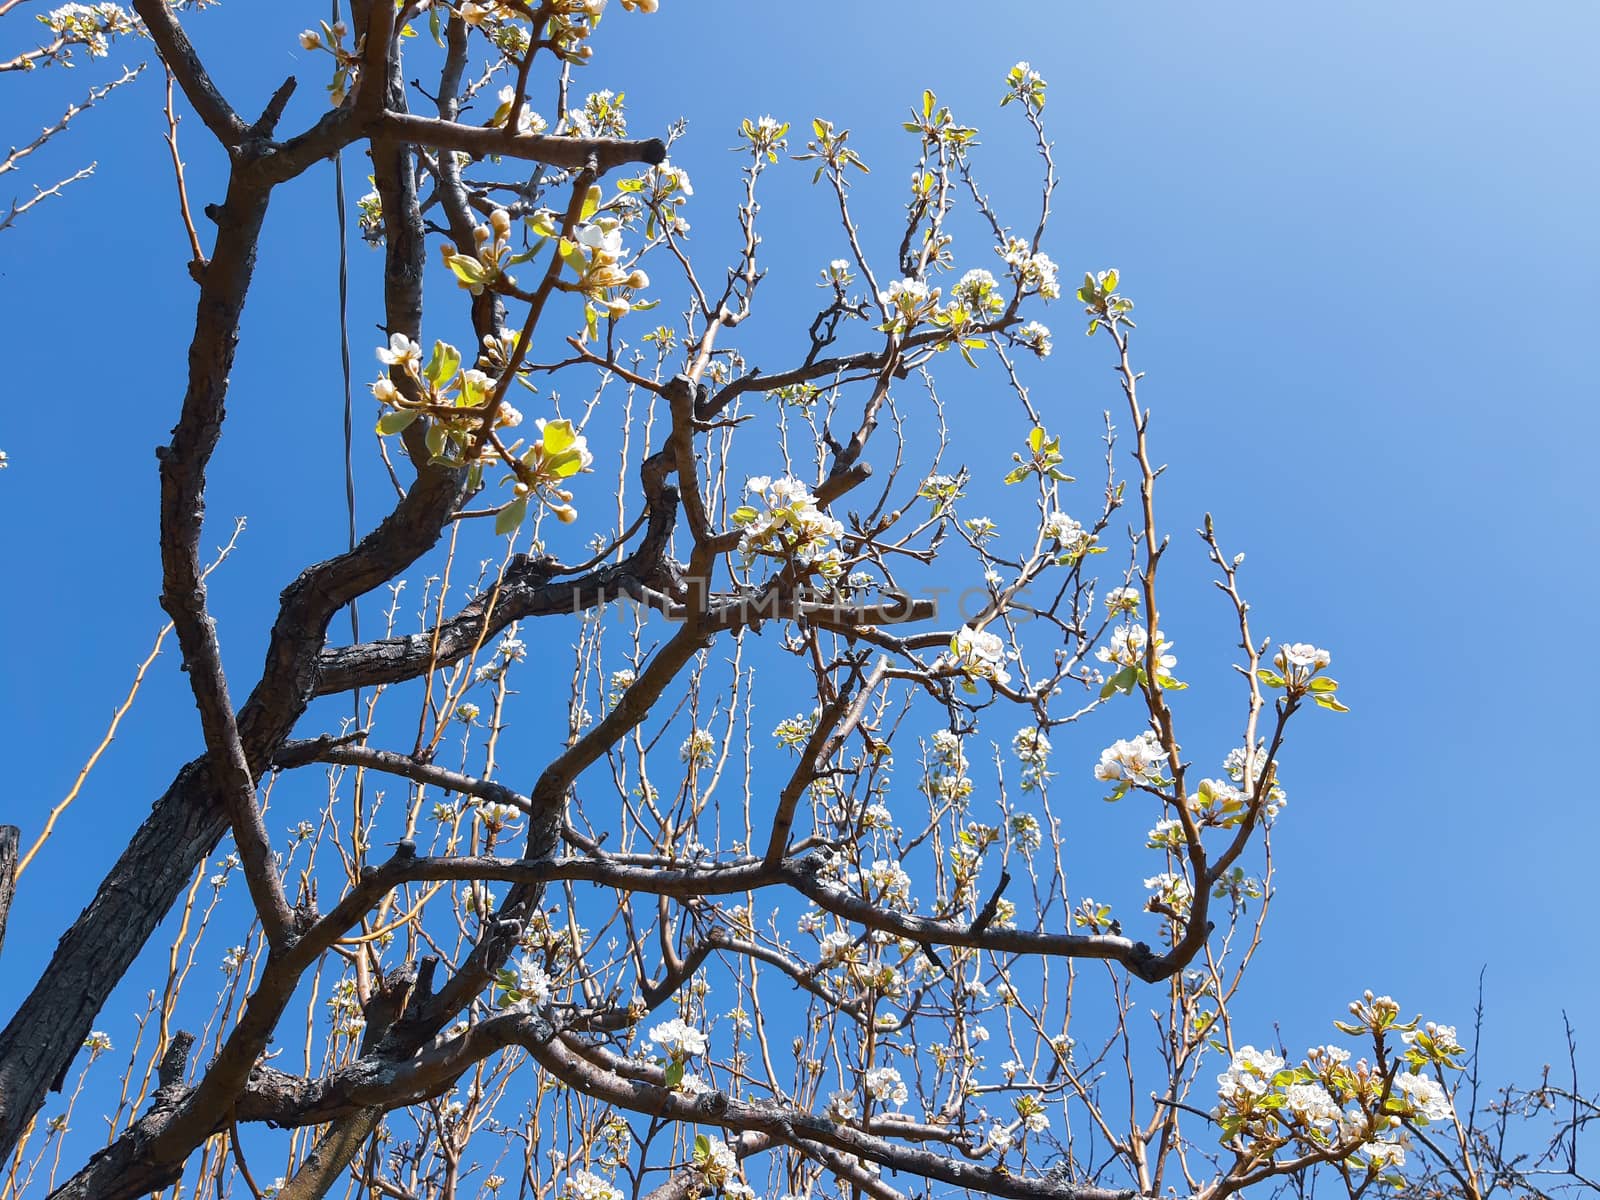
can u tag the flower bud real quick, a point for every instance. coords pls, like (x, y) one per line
(618, 308)
(638, 281)
(311, 39)
(565, 513)
(500, 220)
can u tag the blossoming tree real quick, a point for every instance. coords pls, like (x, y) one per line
(775, 938)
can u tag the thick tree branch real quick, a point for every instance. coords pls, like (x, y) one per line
(179, 54)
(8, 874)
(568, 152)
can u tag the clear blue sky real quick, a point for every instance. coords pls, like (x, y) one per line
(1362, 242)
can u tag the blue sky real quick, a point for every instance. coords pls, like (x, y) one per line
(1362, 243)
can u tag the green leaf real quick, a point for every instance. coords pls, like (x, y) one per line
(591, 202)
(1331, 703)
(443, 363)
(436, 440)
(1270, 678)
(1123, 681)
(394, 422)
(558, 436)
(1017, 474)
(574, 257)
(1323, 684)
(1036, 438)
(702, 1147)
(467, 269)
(511, 515)
(675, 1076)
(927, 104)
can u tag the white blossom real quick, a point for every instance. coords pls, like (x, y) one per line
(679, 1039)
(1138, 760)
(1248, 1077)
(1425, 1095)
(1312, 1104)
(980, 655)
(581, 1185)
(884, 1084)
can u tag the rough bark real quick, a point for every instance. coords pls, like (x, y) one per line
(8, 874)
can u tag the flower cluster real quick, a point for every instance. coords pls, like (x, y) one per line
(1025, 84)
(907, 303)
(1127, 653)
(581, 1185)
(765, 137)
(1032, 749)
(679, 1039)
(528, 121)
(978, 654)
(794, 732)
(346, 60)
(603, 114)
(1102, 303)
(973, 301)
(1035, 272)
(594, 253)
(1139, 761)
(486, 266)
(886, 882)
(344, 1010)
(525, 988)
(570, 25)
(885, 1085)
(91, 26)
(1169, 892)
(1036, 337)
(788, 526)
(1358, 1109)
(719, 1166)
(1026, 833)
(619, 683)
(663, 189)
(947, 781)
(1234, 767)
(943, 490)
(1072, 539)
(457, 400)
(699, 748)
(1299, 673)
(1249, 1076)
